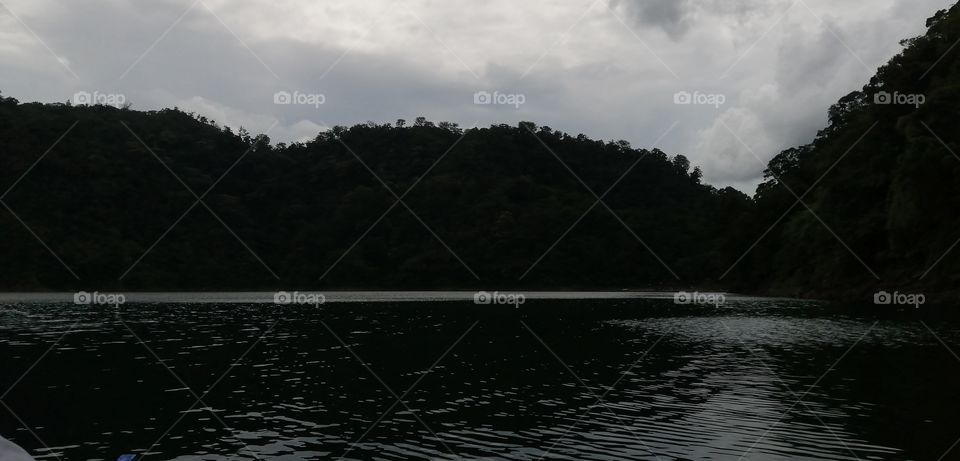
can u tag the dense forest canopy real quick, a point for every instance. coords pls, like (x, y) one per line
(478, 206)
(170, 200)
(880, 185)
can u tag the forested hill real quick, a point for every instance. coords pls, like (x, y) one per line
(880, 185)
(170, 201)
(491, 207)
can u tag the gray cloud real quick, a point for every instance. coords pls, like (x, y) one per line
(673, 16)
(676, 17)
(374, 62)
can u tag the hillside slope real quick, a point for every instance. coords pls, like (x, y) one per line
(493, 207)
(871, 204)
(880, 186)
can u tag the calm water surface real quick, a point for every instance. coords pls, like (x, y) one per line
(433, 376)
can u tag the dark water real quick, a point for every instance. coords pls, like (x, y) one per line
(576, 379)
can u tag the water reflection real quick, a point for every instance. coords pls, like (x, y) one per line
(759, 379)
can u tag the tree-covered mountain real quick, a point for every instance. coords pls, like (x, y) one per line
(169, 200)
(880, 185)
(483, 207)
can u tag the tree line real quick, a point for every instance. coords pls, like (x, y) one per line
(168, 200)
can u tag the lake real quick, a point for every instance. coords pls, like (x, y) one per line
(397, 376)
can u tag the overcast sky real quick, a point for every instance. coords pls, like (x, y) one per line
(610, 69)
